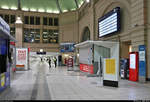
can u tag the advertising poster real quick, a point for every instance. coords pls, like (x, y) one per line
(110, 66)
(86, 68)
(2, 80)
(132, 61)
(110, 69)
(22, 57)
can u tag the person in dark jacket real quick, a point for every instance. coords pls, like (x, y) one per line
(49, 63)
(55, 61)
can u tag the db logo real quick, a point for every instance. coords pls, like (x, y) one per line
(85, 68)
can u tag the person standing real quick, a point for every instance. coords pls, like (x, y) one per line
(55, 61)
(49, 63)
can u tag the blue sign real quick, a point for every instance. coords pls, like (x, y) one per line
(142, 60)
(4, 26)
(67, 47)
(3, 46)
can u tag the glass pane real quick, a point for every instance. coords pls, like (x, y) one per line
(37, 35)
(55, 21)
(51, 21)
(12, 19)
(26, 19)
(6, 18)
(27, 35)
(44, 20)
(12, 31)
(45, 36)
(55, 32)
(32, 20)
(37, 20)
(50, 33)
(1, 15)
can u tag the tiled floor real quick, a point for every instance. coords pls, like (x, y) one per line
(42, 83)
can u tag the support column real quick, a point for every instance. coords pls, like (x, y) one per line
(19, 32)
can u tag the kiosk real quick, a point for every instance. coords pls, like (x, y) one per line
(5, 54)
(100, 58)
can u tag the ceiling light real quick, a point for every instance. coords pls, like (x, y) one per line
(25, 9)
(87, 1)
(13, 8)
(41, 10)
(18, 21)
(55, 11)
(65, 10)
(5, 7)
(49, 11)
(73, 9)
(32, 9)
(41, 50)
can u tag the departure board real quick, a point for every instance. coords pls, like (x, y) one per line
(109, 23)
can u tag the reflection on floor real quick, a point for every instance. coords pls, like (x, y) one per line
(42, 83)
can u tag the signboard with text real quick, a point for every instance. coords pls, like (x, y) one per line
(142, 62)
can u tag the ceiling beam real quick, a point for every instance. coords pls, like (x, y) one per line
(58, 6)
(76, 3)
(19, 5)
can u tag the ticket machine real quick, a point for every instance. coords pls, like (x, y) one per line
(133, 66)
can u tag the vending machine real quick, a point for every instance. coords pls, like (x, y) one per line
(133, 66)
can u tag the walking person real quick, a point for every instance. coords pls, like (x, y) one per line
(55, 61)
(49, 63)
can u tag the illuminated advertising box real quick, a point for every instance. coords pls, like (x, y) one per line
(133, 66)
(22, 57)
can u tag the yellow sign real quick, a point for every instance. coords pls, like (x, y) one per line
(2, 80)
(110, 66)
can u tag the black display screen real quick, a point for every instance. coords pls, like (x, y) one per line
(109, 23)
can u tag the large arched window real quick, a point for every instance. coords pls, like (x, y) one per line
(86, 34)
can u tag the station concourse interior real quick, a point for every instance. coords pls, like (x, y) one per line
(74, 50)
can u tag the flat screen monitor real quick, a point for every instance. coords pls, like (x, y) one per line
(109, 23)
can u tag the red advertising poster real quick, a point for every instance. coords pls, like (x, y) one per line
(133, 66)
(70, 62)
(86, 68)
(22, 57)
(21, 54)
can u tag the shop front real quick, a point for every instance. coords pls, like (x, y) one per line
(67, 50)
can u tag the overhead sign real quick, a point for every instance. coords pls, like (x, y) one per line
(67, 47)
(4, 26)
(109, 23)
